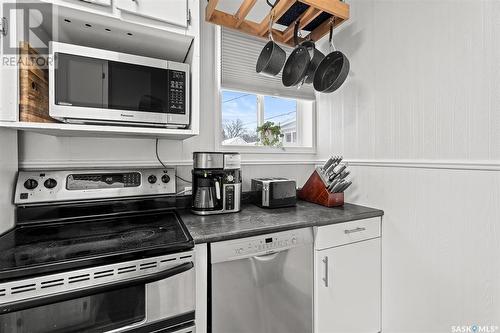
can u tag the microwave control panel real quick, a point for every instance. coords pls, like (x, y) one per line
(176, 92)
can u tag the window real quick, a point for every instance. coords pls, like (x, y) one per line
(249, 100)
(243, 113)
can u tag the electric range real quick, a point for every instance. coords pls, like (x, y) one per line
(97, 251)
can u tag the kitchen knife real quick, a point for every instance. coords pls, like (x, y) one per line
(328, 163)
(344, 174)
(342, 168)
(337, 187)
(345, 186)
(330, 169)
(333, 184)
(341, 175)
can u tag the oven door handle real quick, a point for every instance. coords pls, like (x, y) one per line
(56, 298)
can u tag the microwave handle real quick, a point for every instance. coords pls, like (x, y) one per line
(40, 301)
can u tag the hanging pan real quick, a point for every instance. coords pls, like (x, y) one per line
(316, 57)
(332, 71)
(302, 62)
(297, 63)
(272, 57)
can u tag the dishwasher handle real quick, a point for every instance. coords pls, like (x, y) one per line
(268, 257)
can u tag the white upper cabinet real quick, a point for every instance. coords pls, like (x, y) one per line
(8, 68)
(106, 3)
(172, 11)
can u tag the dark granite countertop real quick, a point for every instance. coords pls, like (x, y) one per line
(252, 220)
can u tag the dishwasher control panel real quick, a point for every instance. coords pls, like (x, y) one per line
(260, 245)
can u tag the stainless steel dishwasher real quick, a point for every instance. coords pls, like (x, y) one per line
(263, 284)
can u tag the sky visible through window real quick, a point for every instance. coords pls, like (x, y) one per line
(243, 106)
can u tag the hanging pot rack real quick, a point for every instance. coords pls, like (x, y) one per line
(314, 16)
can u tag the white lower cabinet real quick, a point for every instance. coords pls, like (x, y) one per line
(347, 284)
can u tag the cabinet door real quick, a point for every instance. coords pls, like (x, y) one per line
(348, 288)
(171, 11)
(9, 110)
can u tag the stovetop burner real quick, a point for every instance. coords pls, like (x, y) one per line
(138, 235)
(33, 249)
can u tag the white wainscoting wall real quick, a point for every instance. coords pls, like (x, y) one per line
(419, 117)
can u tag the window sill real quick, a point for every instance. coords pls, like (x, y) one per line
(265, 150)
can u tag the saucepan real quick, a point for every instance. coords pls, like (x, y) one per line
(272, 57)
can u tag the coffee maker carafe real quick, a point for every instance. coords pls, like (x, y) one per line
(216, 183)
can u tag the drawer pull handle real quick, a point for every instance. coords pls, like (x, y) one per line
(325, 279)
(351, 231)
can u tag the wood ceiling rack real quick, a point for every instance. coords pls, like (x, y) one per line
(313, 15)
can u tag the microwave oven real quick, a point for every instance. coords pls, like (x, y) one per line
(94, 86)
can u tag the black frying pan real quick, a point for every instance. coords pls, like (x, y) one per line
(317, 57)
(332, 71)
(296, 65)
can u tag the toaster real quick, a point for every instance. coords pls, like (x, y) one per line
(274, 192)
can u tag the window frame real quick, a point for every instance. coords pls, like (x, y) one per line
(289, 149)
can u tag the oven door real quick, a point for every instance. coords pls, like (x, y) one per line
(162, 301)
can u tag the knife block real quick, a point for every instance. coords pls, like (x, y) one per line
(314, 191)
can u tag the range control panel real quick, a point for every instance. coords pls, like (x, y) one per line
(86, 181)
(54, 186)
(260, 245)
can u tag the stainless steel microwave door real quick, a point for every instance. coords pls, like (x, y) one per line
(266, 294)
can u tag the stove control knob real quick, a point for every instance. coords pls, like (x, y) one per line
(152, 179)
(165, 178)
(30, 184)
(50, 183)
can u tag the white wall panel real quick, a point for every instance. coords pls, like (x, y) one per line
(419, 114)
(425, 81)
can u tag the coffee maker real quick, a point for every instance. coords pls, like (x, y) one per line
(216, 183)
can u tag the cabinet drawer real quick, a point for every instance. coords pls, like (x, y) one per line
(347, 232)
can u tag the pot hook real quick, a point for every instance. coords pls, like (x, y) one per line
(330, 38)
(296, 32)
(271, 16)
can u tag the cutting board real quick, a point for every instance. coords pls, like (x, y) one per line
(33, 87)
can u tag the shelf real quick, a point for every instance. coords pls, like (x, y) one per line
(314, 17)
(61, 129)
